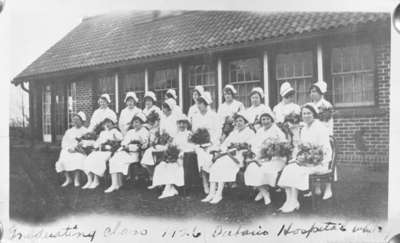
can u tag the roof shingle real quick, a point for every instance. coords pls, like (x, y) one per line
(119, 37)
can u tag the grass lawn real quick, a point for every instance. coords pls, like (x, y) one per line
(35, 196)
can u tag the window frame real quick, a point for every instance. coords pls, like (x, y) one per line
(151, 75)
(355, 41)
(121, 86)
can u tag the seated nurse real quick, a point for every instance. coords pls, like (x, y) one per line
(227, 165)
(295, 176)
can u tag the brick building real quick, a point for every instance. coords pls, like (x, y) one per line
(139, 51)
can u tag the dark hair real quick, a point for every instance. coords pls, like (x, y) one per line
(153, 117)
(289, 94)
(165, 105)
(168, 95)
(189, 126)
(202, 100)
(266, 114)
(254, 92)
(236, 116)
(137, 118)
(316, 88)
(309, 107)
(228, 90)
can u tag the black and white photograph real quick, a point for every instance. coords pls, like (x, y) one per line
(150, 122)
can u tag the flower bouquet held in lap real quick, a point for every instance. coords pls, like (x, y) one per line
(272, 148)
(110, 145)
(161, 141)
(133, 146)
(325, 113)
(200, 137)
(309, 155)
(172, 153)
(86, 143)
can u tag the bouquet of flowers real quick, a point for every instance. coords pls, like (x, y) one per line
(163, 138)
(200, 136)
(325, 113)
(153, 117)
(239, 146)
(292, 118)
(111, 145)
(172, 153)
(309, 155)
(85, 143)
(133, 146)
(273, 148)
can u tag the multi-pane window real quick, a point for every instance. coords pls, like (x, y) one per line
(244, 75)
(71, 106)
(106, 85)
(296, 68)
(134, 81)
(352, 69)
(163, 80)
(46, 113)
(204, 75)
(60, 116)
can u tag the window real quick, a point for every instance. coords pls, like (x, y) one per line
(60, 105)
(204, 75)
(106, 85)
(46, 113)
(72, 109)
(352, 70)
(244, 75)
(133, 81)
(163, 80)
(296, 68)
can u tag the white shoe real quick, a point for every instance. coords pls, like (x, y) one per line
(290, 209)
(165, 193)
(66, 183)
(151, 187)
(93, 185)
(216, 200)
(267, 200)
(308, 194)
(110, 189)
(86, 186)
(327, 194)
(208, 198)
(77, 184)
(258, 197)
(174, 191)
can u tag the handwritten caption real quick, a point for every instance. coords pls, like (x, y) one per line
(192, 232)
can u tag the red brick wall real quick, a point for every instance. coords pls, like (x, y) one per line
(363, 134)
(85, 97)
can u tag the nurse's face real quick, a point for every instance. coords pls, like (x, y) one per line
(103, 103)
(314, 94)
(130, 103)
(255, 99)
(166, 110)
(266, 121)
(136, 123)
(195, 95)
(202, 106)
(182, 126)
(307, 115)
(240, 123)
(228, 96)
(148, 102)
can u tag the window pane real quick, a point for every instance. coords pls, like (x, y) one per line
(163, 80)
(357, 75)
(244, 75)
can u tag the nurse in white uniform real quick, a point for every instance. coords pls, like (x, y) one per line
(71, 161)
(317, 92)
(171, 94)
(230, 106)
(134, 141)
(206, 119)
(95, 163)
(125, 118)
(150, 100)
(170, 174)
(102, 112)
(257, 106)
(264, 176)
(225, 168)
(197, 91)
(296, 177)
